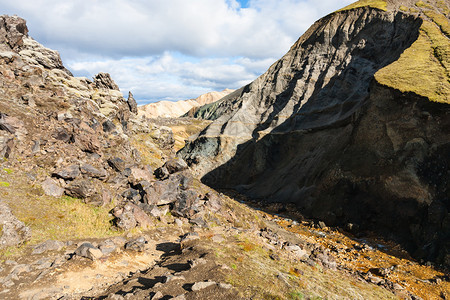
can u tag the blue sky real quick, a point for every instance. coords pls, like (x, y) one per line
(172, 49)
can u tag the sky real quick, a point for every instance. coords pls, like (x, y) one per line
(170, 49)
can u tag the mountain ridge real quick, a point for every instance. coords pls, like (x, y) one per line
(173, 109)
(327, 129)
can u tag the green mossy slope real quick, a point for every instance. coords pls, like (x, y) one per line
(380, 4)
(424, 68)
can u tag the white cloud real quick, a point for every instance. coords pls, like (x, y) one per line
(174, 77)
(199, 44)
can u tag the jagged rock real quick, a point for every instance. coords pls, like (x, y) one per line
(5, 123)
(80, 188)
(157, 296)
(213, 202)
(130, 216)
(190, 236)
(108, 126)
(139, 244)
(141, 174)
(13, 30)
(164, 137)
(132, 103)
(162, 192)
(104, 81)
(63, 135)
(68, 173)
(199, 221)
(89, 251)
(297, 251)
(51, 188)
(49, 245)
(175, 165)
(6, 145)
(202, 285)
(12, 231)
(132, 194)
(186, 204)
(107, 247)
(87, 141)
(36, 147)
(162, 173)
(93, 172)
(125, 218)
(117, 164)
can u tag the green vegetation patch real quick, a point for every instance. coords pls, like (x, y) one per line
(423, 5)
(440, 20)
(379, 4)
(4, 184)
(424, 68)
(403, 8)
(8, 171)
(63, 219)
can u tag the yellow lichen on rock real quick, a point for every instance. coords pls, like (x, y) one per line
(380, 4)
(424, 68)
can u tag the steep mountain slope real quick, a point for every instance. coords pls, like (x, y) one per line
(169, 109)
(352, 125)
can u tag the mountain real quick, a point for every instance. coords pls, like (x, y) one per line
(351, 126)
(169, 109)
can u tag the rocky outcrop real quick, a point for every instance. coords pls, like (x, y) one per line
(12, 231)
(168, 109)
(318, 130)
(70, 135)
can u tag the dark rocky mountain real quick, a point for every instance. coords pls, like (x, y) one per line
(352, 126)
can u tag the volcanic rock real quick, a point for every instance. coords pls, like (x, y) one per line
(330, 128)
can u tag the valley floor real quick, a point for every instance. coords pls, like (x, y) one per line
(256, 255)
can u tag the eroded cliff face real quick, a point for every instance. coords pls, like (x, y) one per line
(319, 131)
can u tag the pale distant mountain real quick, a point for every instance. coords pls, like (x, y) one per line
(168, 109)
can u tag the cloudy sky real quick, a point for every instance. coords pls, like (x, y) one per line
(170, 49)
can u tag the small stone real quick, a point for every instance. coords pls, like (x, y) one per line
(108, 126)
(107, 247)
(190, 236)
(139, 244)
(51, 188)
(19, 269)
(178, 222)
(93, 172)
(49, 245)
(68, 173)
(115, 297)
(89, 251)
(195, 262)
(202, 285)
(179, 297)
(117, 164)
(225, 285)
(158, 295)
(43, 263)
